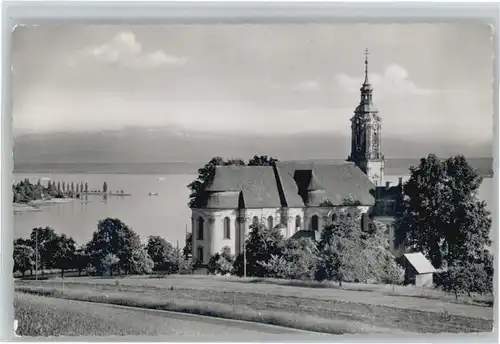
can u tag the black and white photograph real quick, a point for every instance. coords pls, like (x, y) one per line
(254, 181)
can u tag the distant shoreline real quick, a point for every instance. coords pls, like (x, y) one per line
(395, 166)
(37, 204)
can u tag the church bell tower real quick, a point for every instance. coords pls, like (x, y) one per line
(366, 128)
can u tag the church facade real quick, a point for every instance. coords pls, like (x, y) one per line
(300, 198)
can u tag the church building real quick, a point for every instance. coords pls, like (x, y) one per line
(300, 198)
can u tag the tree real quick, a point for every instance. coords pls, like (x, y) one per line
(81, 259)
(442, 215)
(86, 187)
(262, 160)
(297, 260)
(72, 187)
(44, 243)
(114, 237)
(64, 187)
(141, 262)
(58, 186)
(177, 261)
(221, 262)
(393, 273)
(24, 258)
(165, 256)
(64, 253)
(81, 187)
(108, 263)
(261, 244)
(346, 252)
(105, 187)
(188, 248)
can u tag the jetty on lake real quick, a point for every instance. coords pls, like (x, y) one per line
(100, 193)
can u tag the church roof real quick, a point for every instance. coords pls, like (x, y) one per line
(287, 184)
(257, 185)
(340, 181)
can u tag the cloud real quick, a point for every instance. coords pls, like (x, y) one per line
(394, 80)
(306, 86)
(125, 50)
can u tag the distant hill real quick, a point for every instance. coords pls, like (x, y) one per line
(167, 144)
(168, 150)
(394, 167)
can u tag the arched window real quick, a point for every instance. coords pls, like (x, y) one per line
(199, 253)
(199, 231)
(341, 217)
(314, 223)
(297, 222)
(270, 222)
(348, 215)
(227, 228)
(255, 220)
(334, 217)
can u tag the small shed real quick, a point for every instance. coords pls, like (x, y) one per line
(418, 270)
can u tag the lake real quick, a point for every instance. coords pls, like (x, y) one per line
(166, 215)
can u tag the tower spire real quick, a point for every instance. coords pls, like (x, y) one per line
(366, 67)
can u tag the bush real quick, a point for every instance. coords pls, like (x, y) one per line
(468, 278)
(297, 260)
(221, 263)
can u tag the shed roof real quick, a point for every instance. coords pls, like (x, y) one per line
(419, 262)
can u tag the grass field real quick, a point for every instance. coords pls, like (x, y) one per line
(324, 309)
(42, 316)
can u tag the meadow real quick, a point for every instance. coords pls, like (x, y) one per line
(350, 309)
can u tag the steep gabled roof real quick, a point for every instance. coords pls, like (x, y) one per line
(287, 184)
(340, 181)
(257, 184)
(419, 262)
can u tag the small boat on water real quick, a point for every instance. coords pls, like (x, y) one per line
(153, 194)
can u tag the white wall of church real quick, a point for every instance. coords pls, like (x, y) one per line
(327, 216)
(214, 236)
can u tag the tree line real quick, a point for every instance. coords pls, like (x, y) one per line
(346, 252)
(114, 249)
(24, 191)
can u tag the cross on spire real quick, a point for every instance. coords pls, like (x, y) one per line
(366, 66)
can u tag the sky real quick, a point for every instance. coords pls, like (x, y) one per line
(430, 80)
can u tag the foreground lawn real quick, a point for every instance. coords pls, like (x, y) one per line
(317, 309)
(42, 316)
